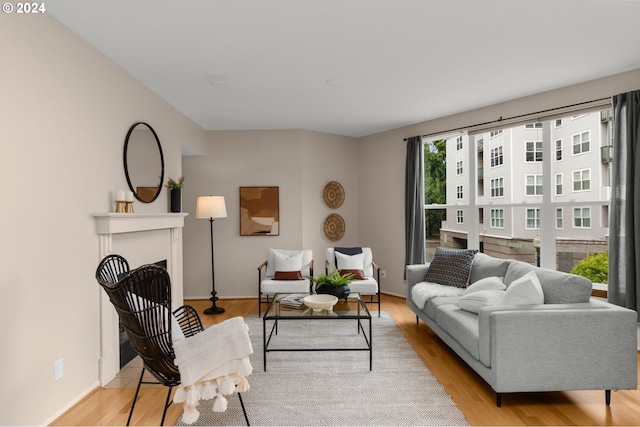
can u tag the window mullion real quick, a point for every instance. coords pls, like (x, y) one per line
(547, 210)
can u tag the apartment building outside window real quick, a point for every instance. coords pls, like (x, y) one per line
(497, 218)
(558, 150)
(459, 143)
(559, 188)
(582, 180)
(533, 218)
(581, 142)
(459, 168)
(460, 216)
(534, 151)
(534, 185)
(559, 218)
(497, 187)
(497, 158)
(582, 217)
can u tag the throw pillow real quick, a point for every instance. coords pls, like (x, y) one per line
(474, 301)
(451, 267)
(487, 266)
(486, 284)
(349, 262)
(523, 291)
(283, 262)
(355, 274)
(288, 275)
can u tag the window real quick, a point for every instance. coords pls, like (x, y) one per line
(559, 218)
(459, 192)
(533, 151)
(558, 184)
(537, 125)
(558, 149)
(582, 217)
(497, 218)
(459, 143)
(534, 185)
(495, 133)
(533, 219)
(557, 123)
(459, 168)
(497, 187)
(496, 156)
(581, 142)
(460, 216)
(582, 180)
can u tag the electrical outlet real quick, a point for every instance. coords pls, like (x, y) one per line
(58, 370)
(383, 274)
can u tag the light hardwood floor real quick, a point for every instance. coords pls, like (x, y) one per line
(110, 406)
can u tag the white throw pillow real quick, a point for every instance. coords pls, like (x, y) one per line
(525, 290)
(486, 284)
(350, 262)
(283, 262)
(474, 301)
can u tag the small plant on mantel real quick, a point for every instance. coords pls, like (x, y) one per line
(175, 185)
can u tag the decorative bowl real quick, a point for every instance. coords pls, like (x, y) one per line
(320, 302)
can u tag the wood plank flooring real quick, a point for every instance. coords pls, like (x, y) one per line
(110, 406)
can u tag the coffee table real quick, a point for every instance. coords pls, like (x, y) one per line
(353, 309)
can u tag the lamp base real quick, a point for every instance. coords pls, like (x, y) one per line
(214, 310)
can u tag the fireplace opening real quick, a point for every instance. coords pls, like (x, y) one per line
(127, 353)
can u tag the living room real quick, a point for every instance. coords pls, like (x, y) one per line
(66, 110)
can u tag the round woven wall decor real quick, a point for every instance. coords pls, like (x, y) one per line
(334, 227)
(333, 194)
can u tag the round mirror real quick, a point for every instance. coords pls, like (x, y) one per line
(143, 162)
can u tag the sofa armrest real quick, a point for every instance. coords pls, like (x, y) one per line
(587, 346)
(416, 273)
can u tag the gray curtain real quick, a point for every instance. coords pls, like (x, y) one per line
(624, 244)
(414, 202)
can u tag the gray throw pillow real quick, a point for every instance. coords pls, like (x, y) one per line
(451, 267)
(487, 266)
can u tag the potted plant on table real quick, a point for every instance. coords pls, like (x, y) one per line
(333, 283)
(175, 190)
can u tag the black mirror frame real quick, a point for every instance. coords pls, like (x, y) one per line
(126, 167)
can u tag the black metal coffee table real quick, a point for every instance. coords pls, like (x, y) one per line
(353, 309)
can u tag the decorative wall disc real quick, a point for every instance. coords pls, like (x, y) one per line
(334, 227)
(333, 194)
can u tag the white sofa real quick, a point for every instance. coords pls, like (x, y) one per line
(568, 341)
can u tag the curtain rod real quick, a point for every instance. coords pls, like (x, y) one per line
(501, 119)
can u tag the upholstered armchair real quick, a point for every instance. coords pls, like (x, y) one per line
(359, 262)
(284, 271)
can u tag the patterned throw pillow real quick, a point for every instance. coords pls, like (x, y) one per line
(451, 267)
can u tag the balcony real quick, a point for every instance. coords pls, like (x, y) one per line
(606, 154)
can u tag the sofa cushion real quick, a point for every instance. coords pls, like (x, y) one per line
(451, 267)
(474, 301)
(486, 284)
(424, 291)
(431, 307)
(558, 287)
(487, 266)
(462, 326)
(523, 291)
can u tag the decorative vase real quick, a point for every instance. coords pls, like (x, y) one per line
(341, 292)
(176, 200)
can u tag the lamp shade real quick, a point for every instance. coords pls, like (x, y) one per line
(211, 207)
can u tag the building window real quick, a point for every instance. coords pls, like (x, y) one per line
(537, 125)
(581, 142)
(582, 217)
(460, 216)
(533, 151)
(495, 133)
(534, 185)
(533, 219)
(496, 157)
(497, 218)
(459, 192)
(558, 149)
(497, 187)
(558, 184)
(459, 168)
(459, 143)
(582, 180)
(557, 123)
(559, 218)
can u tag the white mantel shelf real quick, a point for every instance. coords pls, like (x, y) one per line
(115, 223)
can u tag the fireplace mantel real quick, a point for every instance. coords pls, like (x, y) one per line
(137, 225)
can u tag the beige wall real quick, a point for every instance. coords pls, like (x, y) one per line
(300, 163)
(64, 113)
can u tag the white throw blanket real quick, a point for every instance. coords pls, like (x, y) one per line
(212, 364)
(424, 291)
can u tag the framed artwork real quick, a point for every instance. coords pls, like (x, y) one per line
(259, 211)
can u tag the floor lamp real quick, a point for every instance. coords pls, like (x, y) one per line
(211, 207)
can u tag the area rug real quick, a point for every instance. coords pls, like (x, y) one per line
(336, 388)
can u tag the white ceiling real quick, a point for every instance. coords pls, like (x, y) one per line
(397, 62)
